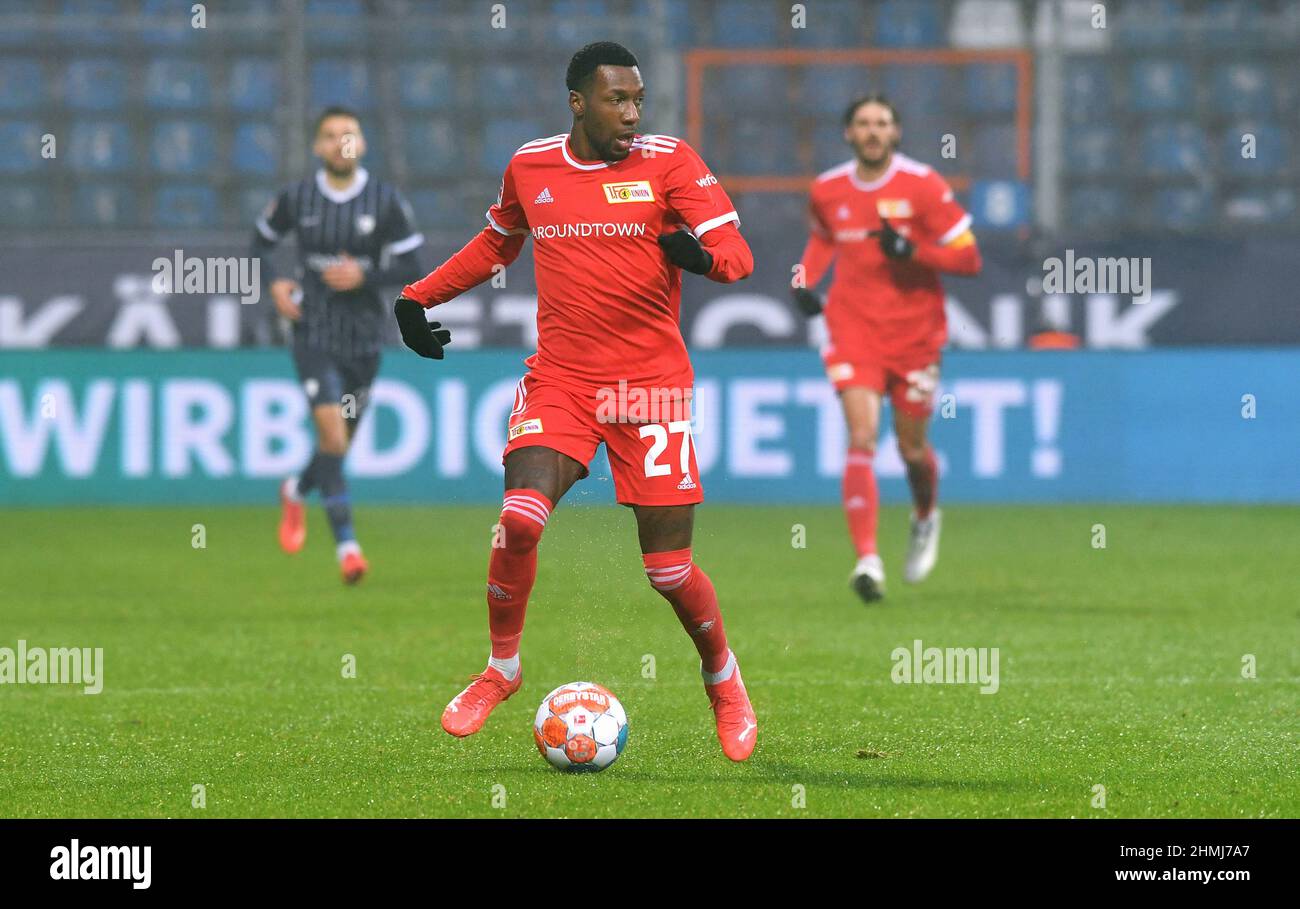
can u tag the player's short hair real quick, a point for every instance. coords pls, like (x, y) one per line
(599, 53)
(334, 110)
(873, 98)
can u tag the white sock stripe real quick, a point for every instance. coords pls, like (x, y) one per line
(670, 572)
(524, 497)
(666, 587)
(530, 503)
(531, 515)
(670, 582)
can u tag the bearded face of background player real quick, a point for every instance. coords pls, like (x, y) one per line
(607, 111)
(339, 145)
(874, 134)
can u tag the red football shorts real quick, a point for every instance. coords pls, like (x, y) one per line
(653, 463)
(910, 381)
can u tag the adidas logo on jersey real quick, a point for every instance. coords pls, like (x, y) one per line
(544, 196)
(686, 483)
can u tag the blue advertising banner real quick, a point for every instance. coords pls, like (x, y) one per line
(223, 426)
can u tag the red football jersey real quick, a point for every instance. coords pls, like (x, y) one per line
(892, 307)
(607, 296)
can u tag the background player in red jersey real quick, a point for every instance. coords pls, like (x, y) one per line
(615, 216)
(891, 225)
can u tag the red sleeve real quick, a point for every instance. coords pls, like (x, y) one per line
(471, 266)
(943, 218)
(820, 251)
(940, 215)
(694, 194)
(497, 245)
(732, 257)
(955, 260)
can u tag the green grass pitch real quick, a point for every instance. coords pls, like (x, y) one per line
(1120, 667)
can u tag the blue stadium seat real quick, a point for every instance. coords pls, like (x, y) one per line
(831, 23)
(27, 205)
(990, 88)
(185, 206)
(450, 208)
(741, 23)
(81, 22)
(908, 23)
(1181, 208)
(827, 89)
(255, 149)
(183, 147)
(917, 90)
(752, 89)
(1271, 150)
(19, 35)
(21, 141)
(572, 23)
(1093, 150)
(341, 82)
(993, 150)
(335, 24)
(1089, 89)
(104, 205)
(426, 85)
(171, 24)
(177, 85)
(22, 84)
(1092, 208)
(1275, 206)
(679, 21)
(1243, 89)
(923, 139)
(828, 147)
(1231, 24)
(100, 146)
(1163, 86)
(252, 202)
(999, 204)
(1170, 149)
(97, 84)
(254, 84)
(502, 136)
(1149, 23)
(760, 147)
(433, 147)
(508, 87)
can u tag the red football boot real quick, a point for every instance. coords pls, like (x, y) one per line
(293, 521)
(737, 725)
(469, 710)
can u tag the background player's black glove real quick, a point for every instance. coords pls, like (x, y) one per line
(808, 302)
(422, 336)
(684, 249)
(892, 243)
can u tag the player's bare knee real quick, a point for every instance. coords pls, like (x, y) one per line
(912, 452)
(863, 441)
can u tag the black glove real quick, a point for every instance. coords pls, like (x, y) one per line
(808, 302)
(684, 249)
(893, 244)
(422, 336)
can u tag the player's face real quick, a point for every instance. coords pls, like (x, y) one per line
(339, 145)
(873, 134)
(610, 110)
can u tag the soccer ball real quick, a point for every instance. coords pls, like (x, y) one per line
(580, 727)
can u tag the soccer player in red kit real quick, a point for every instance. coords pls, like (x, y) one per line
(615, 216)
(891, 225)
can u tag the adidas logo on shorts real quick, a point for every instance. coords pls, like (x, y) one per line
(686, 483)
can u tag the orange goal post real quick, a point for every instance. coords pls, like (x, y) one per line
(701, 60)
